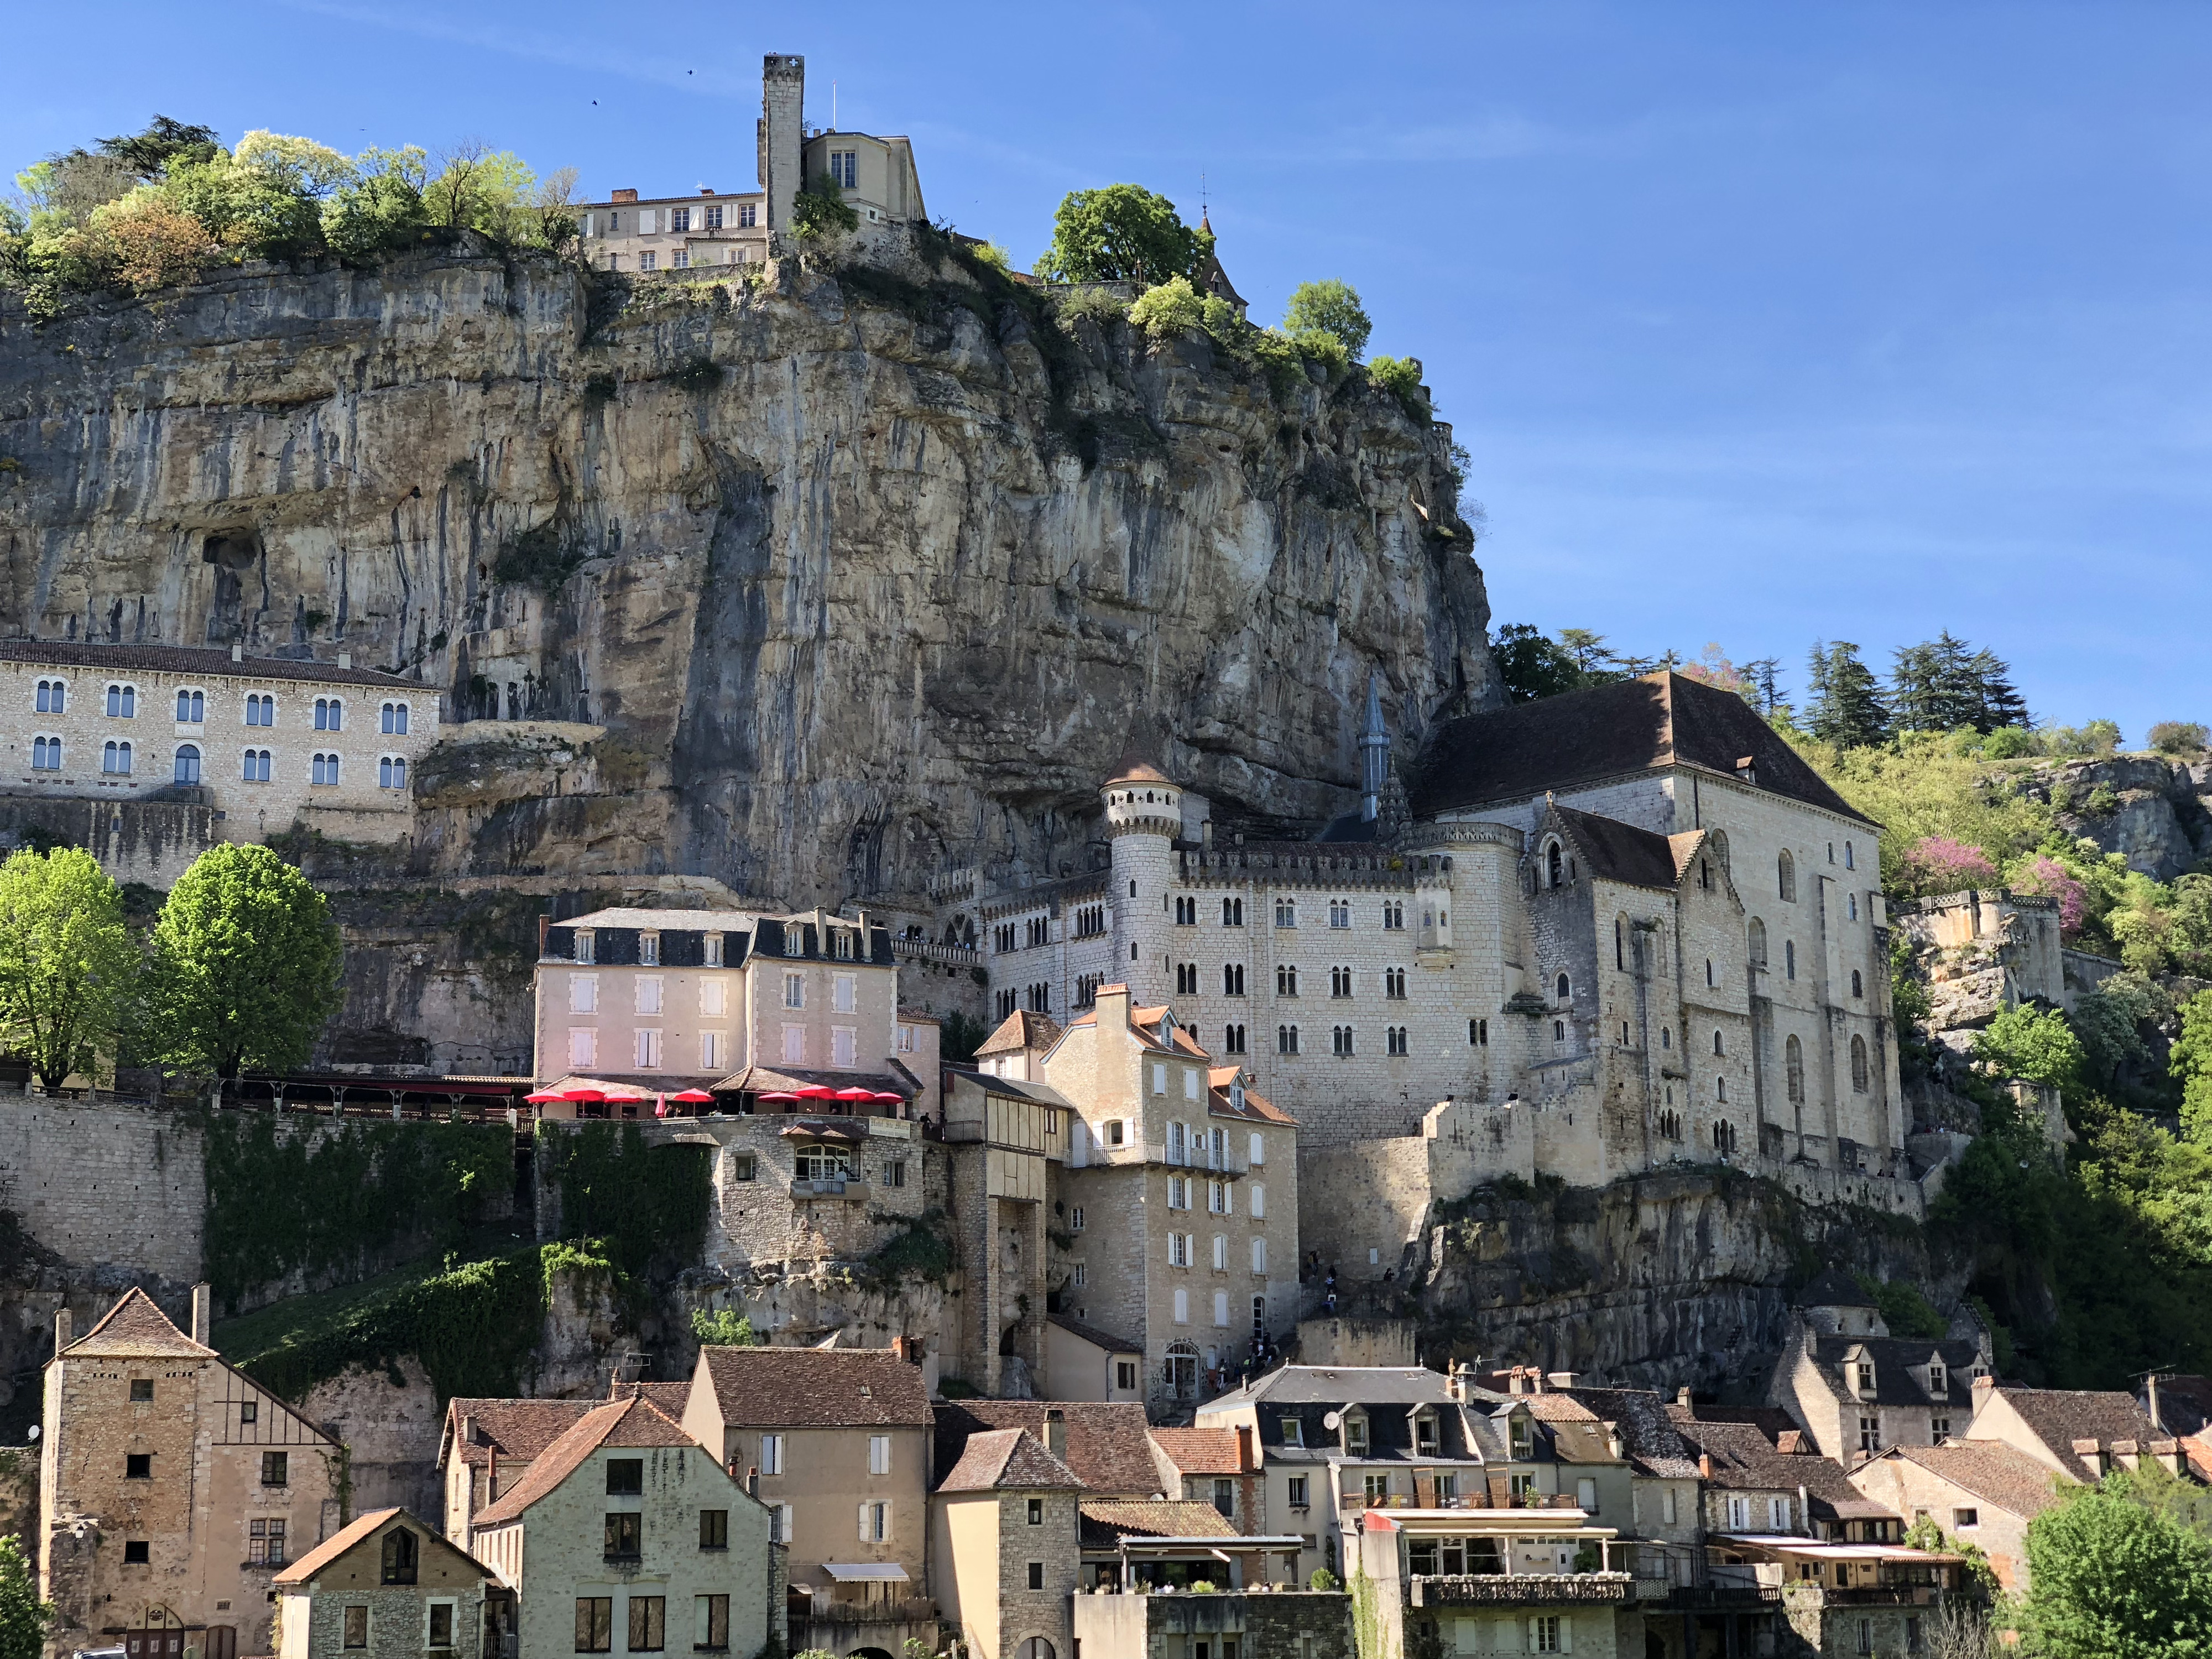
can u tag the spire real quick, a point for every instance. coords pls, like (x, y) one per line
(1374, 752)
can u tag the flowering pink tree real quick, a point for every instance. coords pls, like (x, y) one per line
(2045, 875)
(1936, 864)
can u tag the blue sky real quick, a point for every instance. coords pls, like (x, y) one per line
(1762, 322)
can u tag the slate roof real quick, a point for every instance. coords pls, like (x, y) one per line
(1008, 1460)
(1834, 1288)
(137, 1328)
(667, 922)
(1745, 1459)
(1653, 1445)
(1660, 720)
(2184, 1404)
(2000, 1474)
(619, 1423)
(1337, 1385)
(817, 1388)
(1894, 1384)
(1107, 1445)
(1200, 1451)
(1093, 1335)
(2059, 1416)
(1106, 1522)
(520, 1430)
(1620, 852)
(198, 661)
(1021, 1029)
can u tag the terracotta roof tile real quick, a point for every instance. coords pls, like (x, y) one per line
(619, 1423)
(517, 1429)
(1008, 1460)
(2059, 1416)
(1200, 1451)
(1106, 1521)
(817, 1388)
(1989, 1470)
(135, 1328)
(359, 1530)
(1107, 1446)
(1019, 1032)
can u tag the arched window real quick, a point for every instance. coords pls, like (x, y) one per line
(115, 758)
(260, 710)
(1858, 985)
(325, 770)
(1552, 865)
(1789, 957)
(1666, 1036)
(1720, 1090)
(1719, 1048)
(188, 763)
(395, 719)
(1850, 862)
(1859, 1065)
(257, 766)
(46, 754)
(330, 714)
(191, 708)
(1793, 1067)
(52, 695)
(392, 772)
(123, 702)
(1565, 989)
(1785, 878)
(400, 1556)
(1759, 942)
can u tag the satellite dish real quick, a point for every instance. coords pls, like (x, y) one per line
(34, 1432)
(1333, 1421)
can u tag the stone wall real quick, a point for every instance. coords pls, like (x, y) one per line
(106, 1187)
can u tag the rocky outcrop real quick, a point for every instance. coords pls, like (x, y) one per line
(1669, 1280)
(815, 585)
(2155, 813)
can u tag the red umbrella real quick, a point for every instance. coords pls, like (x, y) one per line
(817, 1091)
(854, 1094)
(781, 1097)
(543, 1097)
(693, 1097)
(888, 1099)
(583, 1094)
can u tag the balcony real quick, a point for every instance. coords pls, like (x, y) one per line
(905, 1610)
(1722, 1598)
(1860, 1595)
(1522, 1589)
(849, 1189)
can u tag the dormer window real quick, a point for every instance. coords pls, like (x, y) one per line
(714, 950)
(844, 938)
(586, 946)
(794, 939)
(1425, 1435)
(1518, 1437)
(1865, 1371)
(1294, 1432)
(1355, 1434)
(648, 950)
(1939, 1380)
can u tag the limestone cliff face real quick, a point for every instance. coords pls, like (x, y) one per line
(818, 585)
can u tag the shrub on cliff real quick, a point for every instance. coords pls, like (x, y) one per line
(2183, 739)
(1121, 233)
(820, 209)
(2029, 1043)
(245, 966)
(1330, 308)
(1169, 309)
(380, 207)
(67, 960)
(1401, 378)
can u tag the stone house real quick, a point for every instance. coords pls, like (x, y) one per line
(1983, 1493)
(1082, 1362)
(629, 1536)
(2082, 1435)
(1193, 1176)
(487, 1446)
(1277, 1625)
(1855, 1390)
(207, 745)
(1761, 1476)
(1220, 1467)
(1108, 1446)
(386, 1586)
(836, 1443)
(626, 232)
(1004, 1533)
(1664, 1520)
(726, 1000)
(172, 1488)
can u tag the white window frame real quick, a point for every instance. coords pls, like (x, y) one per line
(715, 999)
(879, 1454)
(583, 1047)
(710, 1051)
(771, 1455)
(648, 1049)
(1256, 1202)
(794, 1045)
(794, 992)
(648, 992)
(844, 1048)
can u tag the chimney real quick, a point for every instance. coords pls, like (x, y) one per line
(1245, 1463)
(1055, 1433)
(752, 1482)
(64, 1331)
(1535, 1380)
(1682, 1396)
(621, 196)
(491, 1478)
(1517, 1381)
(1456, 1381)
(543, 922)
(469, 1431)
(2151, 1383)
(1562, 1379)
(200, 1314)
(237, 652)
(1705, 1466)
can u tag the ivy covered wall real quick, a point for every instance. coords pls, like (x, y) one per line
(644, 1204)
(334, 1202)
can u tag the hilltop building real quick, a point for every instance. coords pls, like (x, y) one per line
(628, 232)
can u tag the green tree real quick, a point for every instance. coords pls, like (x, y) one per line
(1169, 309)
(1532, 665)
(1847, 708)
(23, 1617)
(1330, 307)
(819, 209)
(2190, 1061)
(1119, 233)
(245, 967)
(380, 207)
(67, 961)
(148, 154)
(2032, 1045)
(2112, 1579)
(723, 1329)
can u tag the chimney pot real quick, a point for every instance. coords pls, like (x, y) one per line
(469, 1431)
(345, 658)
(200, 1311)
(64, 1330)
(1705, 1466)
(237, 652)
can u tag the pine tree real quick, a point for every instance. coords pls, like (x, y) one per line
(2001, 703)
(1914, 696)
(1765, 675)
(1847, 709)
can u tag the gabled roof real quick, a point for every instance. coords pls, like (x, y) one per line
(1834, 1288)
(1257, 1108)
(519, 1430)
(1095, 1337)
(1200, 1451)
(1020, 1030)
(2059, 1416)
(1893, 1358)
(360, 1529)
(1107, 1521)
(1614, 851)
(1654, 1445)
(137, 1328)
(1661, 720)
(1008, 1460)
(618, 1424)
(817, 1388)
(1744, 1459)
(2002, 1474)
(1106, 1445)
